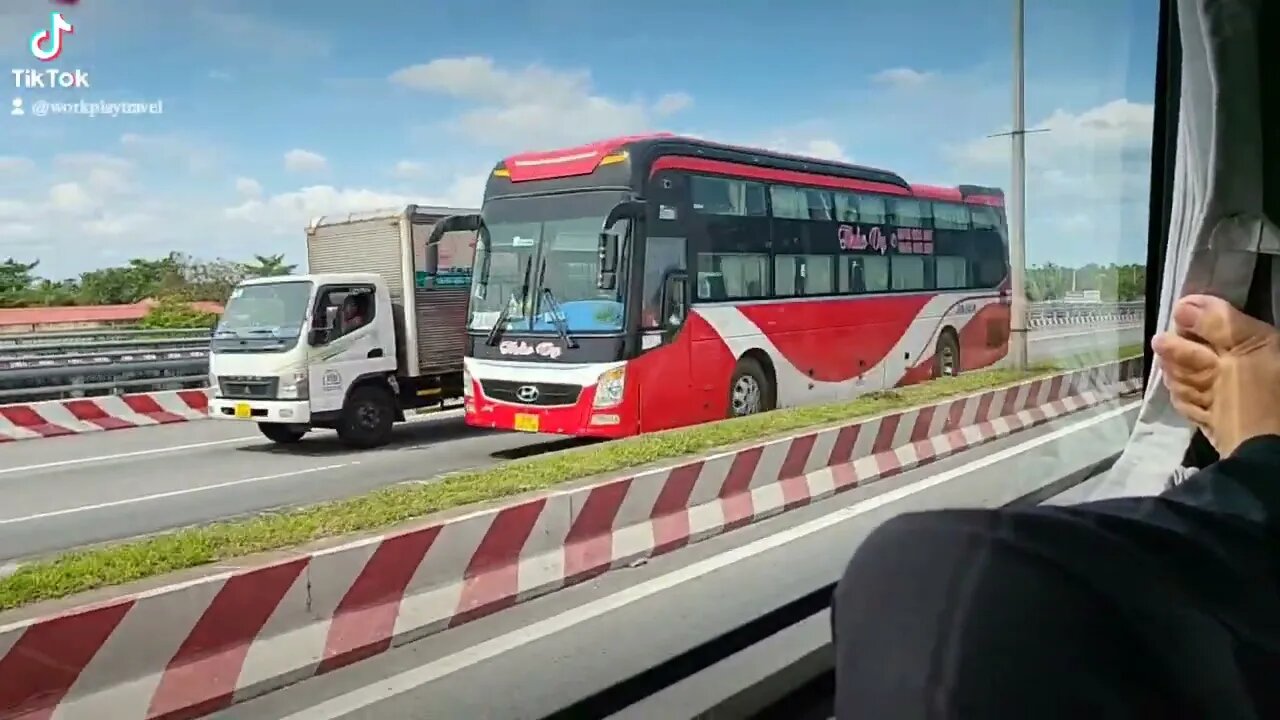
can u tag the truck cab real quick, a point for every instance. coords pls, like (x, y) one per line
(347, 351)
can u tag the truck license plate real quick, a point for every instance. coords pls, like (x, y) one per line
(243, 410)
(526, 422)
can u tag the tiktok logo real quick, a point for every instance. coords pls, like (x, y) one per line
(46, 45)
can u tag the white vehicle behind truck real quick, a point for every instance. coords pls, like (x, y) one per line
(374, 330)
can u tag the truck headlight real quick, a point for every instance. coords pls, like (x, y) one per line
(610, 386)
(293, 386)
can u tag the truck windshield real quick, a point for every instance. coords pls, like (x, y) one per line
(268, 310)
(533, 245)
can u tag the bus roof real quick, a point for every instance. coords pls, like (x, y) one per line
(586, 159)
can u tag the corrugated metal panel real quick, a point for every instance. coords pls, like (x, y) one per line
(442, 319)
(369, 245)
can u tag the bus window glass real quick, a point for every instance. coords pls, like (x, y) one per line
(727, 276)
(985, 218)
(910, 213)
(871, 210)
(795, 275)
(908, 272)
(950, 216)
(846, 207)
(720, 196)
(953, 272)
(788, 202)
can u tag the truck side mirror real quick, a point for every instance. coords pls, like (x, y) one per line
(323, 334)
(607, 277)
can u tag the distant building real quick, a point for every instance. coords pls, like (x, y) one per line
(81, 317)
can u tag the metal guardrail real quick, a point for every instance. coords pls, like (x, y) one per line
(44, 366)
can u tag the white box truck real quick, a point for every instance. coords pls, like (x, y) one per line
(376, 328)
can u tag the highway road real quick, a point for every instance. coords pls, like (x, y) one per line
(551, 654)
(67, 492)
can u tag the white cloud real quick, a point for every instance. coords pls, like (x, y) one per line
(821, 148)
(248, 188)
(902, 77)
(11, 164)
(1107, 129)
(305, 161)
(221, 75)
(534, 106)
(170, 149)
(409, 170)
(258, 34)
(72, 198)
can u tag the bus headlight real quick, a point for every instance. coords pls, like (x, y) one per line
(610, 386)
(293, 386)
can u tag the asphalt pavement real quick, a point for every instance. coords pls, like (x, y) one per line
(71, 491)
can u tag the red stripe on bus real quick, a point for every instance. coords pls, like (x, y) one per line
(935, 192)
(754, 172)
(992, 200)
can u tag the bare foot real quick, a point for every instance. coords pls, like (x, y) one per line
(1222, 368)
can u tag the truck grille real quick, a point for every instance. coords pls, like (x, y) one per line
(548, 393)
(247, 388)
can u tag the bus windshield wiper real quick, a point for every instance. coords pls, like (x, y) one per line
(500, 325)
(557, 318)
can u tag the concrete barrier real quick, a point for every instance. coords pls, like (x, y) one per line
(55, 418)
(191, 646)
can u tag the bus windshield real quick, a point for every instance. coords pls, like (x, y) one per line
(536, 254)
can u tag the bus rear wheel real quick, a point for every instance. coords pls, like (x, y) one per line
(750, 390)
(946, 356)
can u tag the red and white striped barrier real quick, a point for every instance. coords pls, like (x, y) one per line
(54, 418)
(197, 646)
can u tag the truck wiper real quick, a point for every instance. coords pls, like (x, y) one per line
(557, 318)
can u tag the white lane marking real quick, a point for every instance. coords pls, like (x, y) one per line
(171, 493)
(442, 415)
(384, 688)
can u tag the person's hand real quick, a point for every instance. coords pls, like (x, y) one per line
(1222, 368)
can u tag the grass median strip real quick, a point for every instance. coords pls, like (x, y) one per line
(82, 570)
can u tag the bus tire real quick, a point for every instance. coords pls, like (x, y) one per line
(946, 356)
(750, 390)
(367, 417)
(282, 434)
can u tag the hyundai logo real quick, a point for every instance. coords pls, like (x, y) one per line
(527, 393)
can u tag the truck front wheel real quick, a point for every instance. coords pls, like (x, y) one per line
(367, 417)
(281, 433)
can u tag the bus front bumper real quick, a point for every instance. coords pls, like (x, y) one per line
(293, 412)
(581, 420)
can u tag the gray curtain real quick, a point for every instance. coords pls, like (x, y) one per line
(1219, 221)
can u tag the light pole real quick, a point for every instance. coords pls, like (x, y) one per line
(1018, 202)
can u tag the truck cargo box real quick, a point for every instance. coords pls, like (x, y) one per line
(431, 287)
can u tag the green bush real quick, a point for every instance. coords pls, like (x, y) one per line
(173, 314)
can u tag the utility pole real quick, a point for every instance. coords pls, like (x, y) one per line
(1018, 201)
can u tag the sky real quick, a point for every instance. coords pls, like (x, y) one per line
(277, 111)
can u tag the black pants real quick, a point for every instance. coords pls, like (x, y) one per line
(1164, 607)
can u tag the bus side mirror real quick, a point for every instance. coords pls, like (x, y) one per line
(673, 299)
(453, 223)
(607, 277)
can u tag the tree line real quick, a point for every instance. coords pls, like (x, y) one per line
(178, 279)
(1115, 283)
(173, 281)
